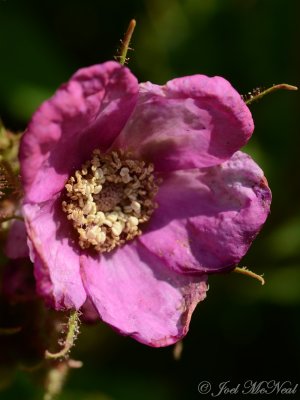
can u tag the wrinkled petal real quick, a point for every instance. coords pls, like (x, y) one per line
(190, 122)
(87, 112)
(56, 259)
(207, 219)
(134, 293)
(16, 244)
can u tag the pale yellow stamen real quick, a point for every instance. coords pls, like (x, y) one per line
(108, 198)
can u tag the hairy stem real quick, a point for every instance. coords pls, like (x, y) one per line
(125, 43)
(246, 271)
(259, 95)
(73, 324)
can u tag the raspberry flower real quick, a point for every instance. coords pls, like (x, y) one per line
(133, 194)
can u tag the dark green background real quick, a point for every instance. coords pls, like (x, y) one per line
(242, 330)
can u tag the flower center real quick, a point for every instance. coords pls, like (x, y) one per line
(108, 198)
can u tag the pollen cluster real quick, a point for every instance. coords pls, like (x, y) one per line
(108, 198)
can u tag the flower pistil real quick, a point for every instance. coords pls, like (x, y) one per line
(108, 198)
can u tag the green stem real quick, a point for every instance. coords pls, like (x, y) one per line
(56, 378)
(73, 325)
(246, 271)
(258, 96)
(18, 217)
(125, 43)
(10, 331)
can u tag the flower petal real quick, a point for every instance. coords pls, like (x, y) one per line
(138, 296)
(87, 112)
(56, 260)
(190, 122)
(16, 244)
(207, 219)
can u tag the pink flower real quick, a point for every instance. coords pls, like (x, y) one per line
(134, 193)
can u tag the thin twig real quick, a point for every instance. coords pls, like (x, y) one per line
(73, 324)
(246, 271)
(257, 95)
(10, 331)
(122, 54)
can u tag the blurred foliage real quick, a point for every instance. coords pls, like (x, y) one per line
(241, 331)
